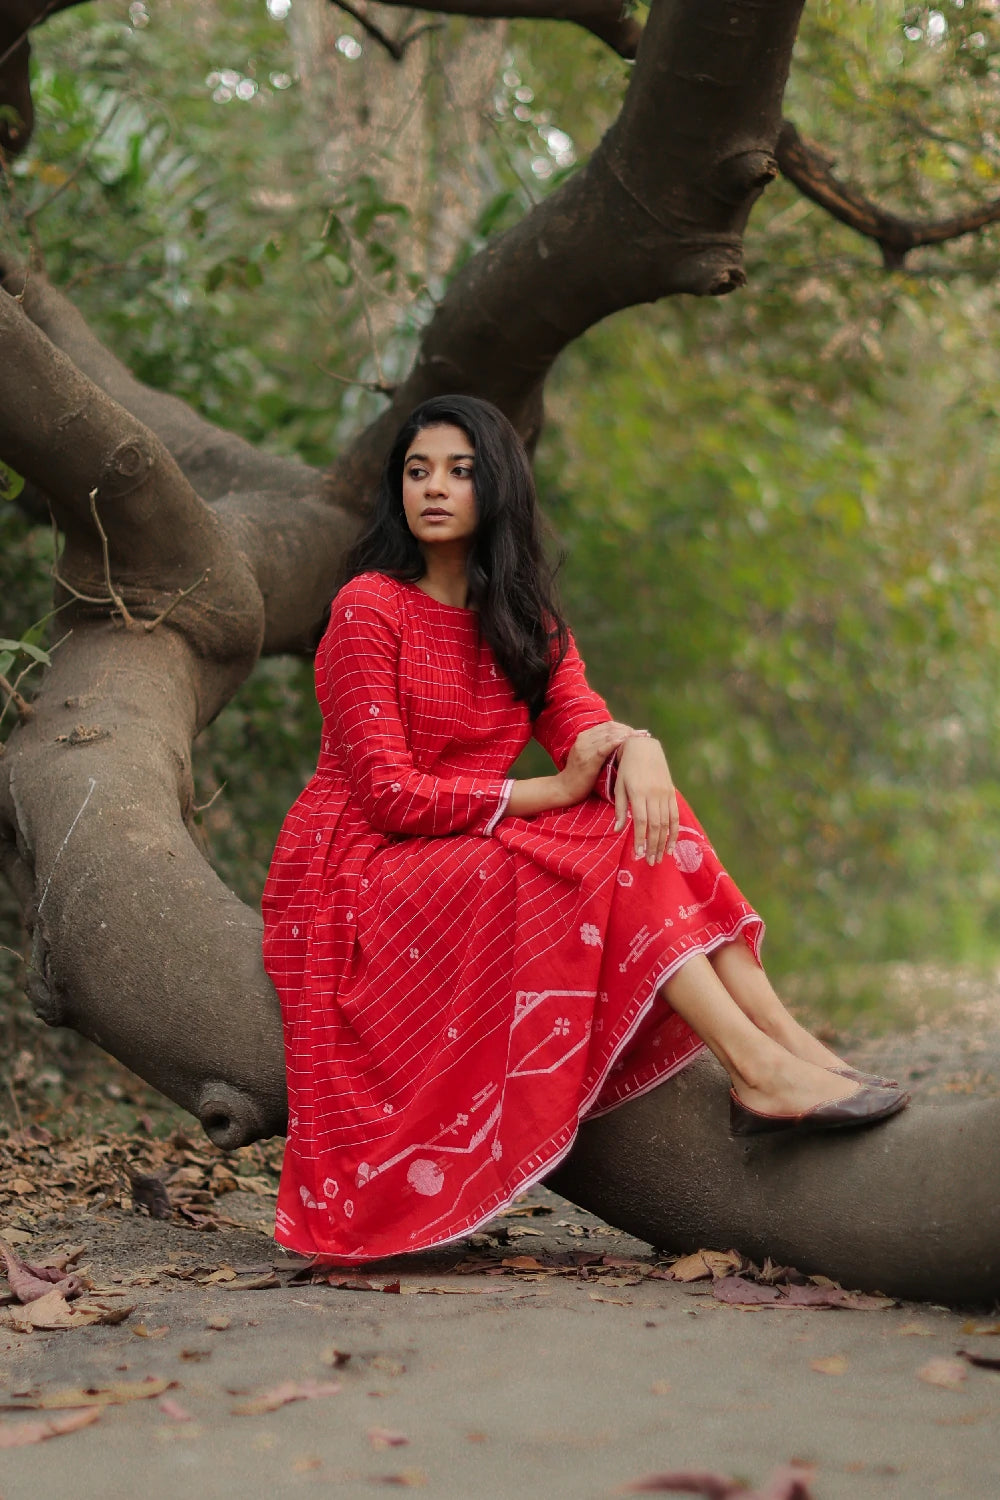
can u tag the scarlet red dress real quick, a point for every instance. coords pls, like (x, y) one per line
(459, 988)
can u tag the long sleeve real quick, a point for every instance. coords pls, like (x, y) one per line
(571, 706)
(357, 685)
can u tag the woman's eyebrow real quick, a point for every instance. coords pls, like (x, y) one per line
(424, 459)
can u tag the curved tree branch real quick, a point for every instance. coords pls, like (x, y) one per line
(811, 171)
(608, 20)
(215, 462)
(17, 18)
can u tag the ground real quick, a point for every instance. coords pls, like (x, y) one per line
(548, 1356)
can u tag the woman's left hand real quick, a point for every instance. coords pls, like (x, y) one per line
(645, 788)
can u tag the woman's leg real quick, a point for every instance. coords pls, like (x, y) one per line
(750, 987)
(764, 1074)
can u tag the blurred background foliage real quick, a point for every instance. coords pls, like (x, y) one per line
(776, 510)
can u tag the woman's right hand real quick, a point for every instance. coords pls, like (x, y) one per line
(587, 759)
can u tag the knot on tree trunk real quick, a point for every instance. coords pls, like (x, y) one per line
(126, 469)
(744, 175)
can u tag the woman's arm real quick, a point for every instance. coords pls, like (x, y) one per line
(584, 764)
(357, 685)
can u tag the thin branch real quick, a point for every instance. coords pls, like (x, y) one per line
(608, 20)
(365, 385)
(165, 613)
(396, 48)
(810, 170)
(24, 708)
(201, 807)
(30, 214)
(116, 598)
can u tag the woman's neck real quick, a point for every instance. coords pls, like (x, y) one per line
(446, 579)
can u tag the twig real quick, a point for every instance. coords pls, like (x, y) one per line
(396, 50)
(201, 807)
(116, 598)
(152, 624)
(365, 385)
(23, 37)
(30, 214)
(24, 708)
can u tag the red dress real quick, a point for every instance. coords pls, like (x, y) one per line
(459, 988)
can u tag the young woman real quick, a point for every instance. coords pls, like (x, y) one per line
(468, 964)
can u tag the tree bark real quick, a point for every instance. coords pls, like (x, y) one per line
(907, 1207)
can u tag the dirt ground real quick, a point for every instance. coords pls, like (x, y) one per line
(549, 1355)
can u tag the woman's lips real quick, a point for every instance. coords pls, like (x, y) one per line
(434, 510)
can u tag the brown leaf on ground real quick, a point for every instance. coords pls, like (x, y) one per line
(349, 1283)
(148, 1192)
(115, 1394)
(336, 1358)
(741, 1292)
(790, 1482)
(686, 1482)
(20, 1434)
(385, 1437)
(53, 1312)
(949, 1374)
(984, 1361)
(30, 1283)
(281, 1395)
(406, 1478)
(915, 1330)
(972, 1326)
(252, 1283)
(142, 1332)
(830, 1364)
(704, 1263)
(218, 1322)
(524, 1211)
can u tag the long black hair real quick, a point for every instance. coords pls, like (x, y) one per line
(510, 581)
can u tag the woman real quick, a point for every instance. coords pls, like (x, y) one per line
(469, 964)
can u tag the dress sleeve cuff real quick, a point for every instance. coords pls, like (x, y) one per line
(505, 792)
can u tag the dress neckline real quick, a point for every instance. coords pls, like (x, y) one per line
(455, 609)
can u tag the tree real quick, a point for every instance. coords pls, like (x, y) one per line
(188, 552)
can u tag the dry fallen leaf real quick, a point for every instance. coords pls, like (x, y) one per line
(980, 1328)
(281, 1395)
(949, 1374)
(704, 1263)
(219, 1322)
(408, 1478)
(830, 1364)
(791, 1482)
(384, 1437)
(615, 1301)
(115, 1394)
(19, 1434)
(53, 1311)
(252, 1283)
(142, 1332)
(334, 1357)
(915, 1330)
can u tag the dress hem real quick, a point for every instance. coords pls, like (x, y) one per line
(584, 1114)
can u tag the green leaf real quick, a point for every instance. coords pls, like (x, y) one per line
(35, 652)
(11, 484)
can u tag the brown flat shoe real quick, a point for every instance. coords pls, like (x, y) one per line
(874, 1079)
(863, 1107)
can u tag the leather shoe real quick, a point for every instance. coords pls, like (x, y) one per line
(856, 1076)
(866, 1105)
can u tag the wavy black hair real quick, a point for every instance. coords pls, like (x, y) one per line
(510, 582)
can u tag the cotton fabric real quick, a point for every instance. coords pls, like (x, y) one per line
(459, 988)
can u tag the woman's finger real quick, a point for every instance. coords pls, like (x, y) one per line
(654, 832)
(675, 821)
(621, 805)
(638, 805)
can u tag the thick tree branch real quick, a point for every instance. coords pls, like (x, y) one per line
(608, 20)
(811, 171)
(215, 462)
(659, 209)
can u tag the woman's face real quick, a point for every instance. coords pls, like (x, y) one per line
(439, 495)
